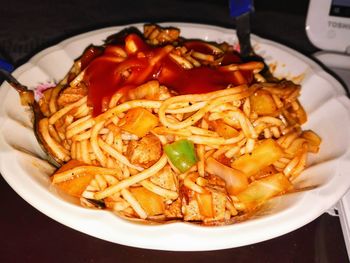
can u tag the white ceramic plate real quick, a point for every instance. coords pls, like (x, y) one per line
(323, 97)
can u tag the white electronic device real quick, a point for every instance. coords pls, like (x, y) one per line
(328, 24)
(328, 28)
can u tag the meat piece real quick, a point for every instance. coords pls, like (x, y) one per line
(165, 179)
(144, 152)
(219, 205)
(216, 182)
(190, 206)
(191, 211)
(72, 94)
(173, 210)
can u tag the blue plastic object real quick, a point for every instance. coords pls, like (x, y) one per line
(240, 7)
(6, 66)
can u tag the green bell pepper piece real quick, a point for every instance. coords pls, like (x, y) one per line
(181, 154)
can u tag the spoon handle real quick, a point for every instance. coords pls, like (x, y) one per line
(12, 80)
(27, 98)
(243, 34)
(240, 10)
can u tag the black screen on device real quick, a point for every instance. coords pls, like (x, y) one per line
(340, 8)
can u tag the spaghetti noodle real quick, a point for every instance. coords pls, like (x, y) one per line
(159, 127)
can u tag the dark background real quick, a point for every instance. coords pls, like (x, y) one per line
(30, 26)
(26, 27)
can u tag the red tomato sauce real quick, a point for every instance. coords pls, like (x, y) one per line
(106, 74)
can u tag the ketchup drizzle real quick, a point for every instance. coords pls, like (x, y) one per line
(106, 74)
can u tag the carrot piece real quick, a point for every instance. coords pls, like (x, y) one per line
(205, 204)
(224, 129)
(152, 203)
(69, 165)
(77, 185)
(139, 121)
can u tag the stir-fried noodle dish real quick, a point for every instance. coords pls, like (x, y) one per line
(156, 127)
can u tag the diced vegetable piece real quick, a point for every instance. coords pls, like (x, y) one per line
(224, 129)
(149, 201)
(139, 121)
(263, 189)
(77, 185)
(205, 204)
(262, 103)
(262, 156)
(235, 180)
(267, 171)
(181, 154)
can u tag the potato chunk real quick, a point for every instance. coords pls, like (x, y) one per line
(152, 203)
(262, 103)
(262, 156)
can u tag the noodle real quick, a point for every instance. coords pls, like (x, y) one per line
(129, 155)
(133, 179)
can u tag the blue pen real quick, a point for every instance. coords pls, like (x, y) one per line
(6, 65)
(240, 7)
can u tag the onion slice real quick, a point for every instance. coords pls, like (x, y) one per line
(261, 190)
(236, 181)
